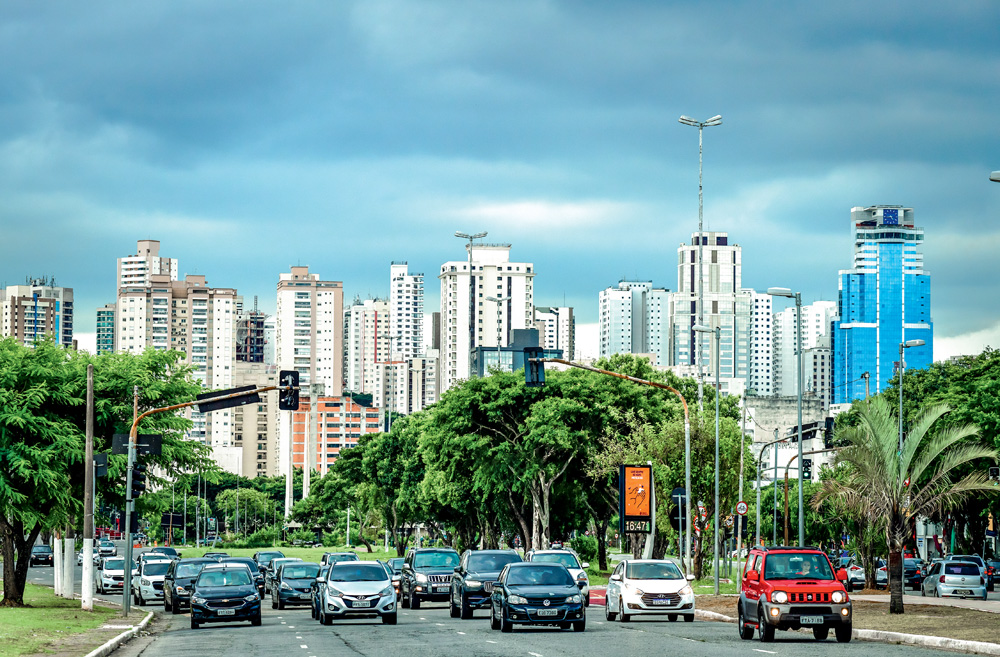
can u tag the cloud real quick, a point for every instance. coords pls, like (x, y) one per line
(548, 215)
(968, 344)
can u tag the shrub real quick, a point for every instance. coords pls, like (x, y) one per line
(586, 547)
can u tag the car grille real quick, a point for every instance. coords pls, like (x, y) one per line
(118, 578)
(805, 611)
(225, 604)
(809, 597)
(158, 586)
(488, 587)
(439, 579)
(671, 598)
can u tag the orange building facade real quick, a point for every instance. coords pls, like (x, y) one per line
(342, 421)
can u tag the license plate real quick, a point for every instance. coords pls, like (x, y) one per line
(548, 612)
(661, 601)
(811, 620)
(442, 588)
(227, 612)
(361, 603)
(962, 592)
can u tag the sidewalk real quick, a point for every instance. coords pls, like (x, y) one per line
(992, 606)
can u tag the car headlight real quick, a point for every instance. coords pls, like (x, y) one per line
(473, 583)
(198, 601)
(144, 581)
(582, 577)
(334, 593)
(517, 600)
(837, 597)
(421, 578)
(687, 590)
(574, 598)
(285, 586)
(179, 589)
(386, 592)
(779, 597)
(639, 592)
(253, 597)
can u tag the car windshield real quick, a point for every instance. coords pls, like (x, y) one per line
(266, 557)
(234, 577)
(107, 544)
(652, 571)
(41, 549)
(961, 569)
(435, 560)
(305, 571)
(348, 572)
(493, 563)
(396, 564)
(915, 563)
(337, 558)
(797, 566)
(539, 576)
(188, 569)
(246, 561)
(155, 568)
(114, 564)
(971, 558)
(565, 558)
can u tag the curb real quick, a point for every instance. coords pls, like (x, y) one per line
(114, 643)
(880, 636)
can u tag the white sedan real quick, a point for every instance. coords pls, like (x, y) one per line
(649, 586)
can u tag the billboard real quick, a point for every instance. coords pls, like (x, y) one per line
(635, 498)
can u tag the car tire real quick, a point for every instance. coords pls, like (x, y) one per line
(414, 600)
(465, 613)
(672, 618)
(325, 619)
(505, 625)
(389, 619)
(923, 593)
(622, 616)
(452, 609)
(688, 618)
(608, 614)
(986, 595)
(274, 603)
(194, 624)
(255, 620)
(166, 604)
(281, 605)
(494, 623)
(175, 607)
(404, 600)
(746, 631)
(580, 625)
(844, 632)
(820, 633)
(766, 631)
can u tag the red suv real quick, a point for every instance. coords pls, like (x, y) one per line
(787, 588)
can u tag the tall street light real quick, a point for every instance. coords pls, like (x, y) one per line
(472, 288)
(785, 292)
(498, 299)
(902, 366)
(718, 348)
(687, 120)
(760, 468)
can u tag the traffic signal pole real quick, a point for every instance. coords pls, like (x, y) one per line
(801, 483)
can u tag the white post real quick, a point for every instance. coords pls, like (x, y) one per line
(69, 567)
(57, 564)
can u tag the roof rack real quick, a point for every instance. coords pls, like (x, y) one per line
(767, 548)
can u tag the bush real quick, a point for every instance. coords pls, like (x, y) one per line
(586, 547)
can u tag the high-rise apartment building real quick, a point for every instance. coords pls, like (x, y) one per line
(761, 345)
(556, 329)
(367, 334)
(633, 320)
(255, 426)
(726, 305)
(137, 270)
(106, 328)
(36, 310)
(310, 329)
(883, 301)
(250, 338)
(468, 318)
(341, 422)
(406, 311)
(816, 321)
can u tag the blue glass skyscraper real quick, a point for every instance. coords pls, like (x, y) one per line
(883, 301)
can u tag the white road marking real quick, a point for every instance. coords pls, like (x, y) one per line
(298, 637)
(291, 627)
(422, 618)
(438, 624)
(488, 641)
(534, 654)
(303, 646)
(770, 652)
(461, 632)
(687, 639)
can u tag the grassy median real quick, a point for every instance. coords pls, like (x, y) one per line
(48, 620)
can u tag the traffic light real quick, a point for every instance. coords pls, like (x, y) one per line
(807, 468)
(534, 368)
(995, 473)
(288, 395)
(828, 434)
(133, 523)
(138, 480)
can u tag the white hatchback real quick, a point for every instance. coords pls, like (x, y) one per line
(649, 586)
(148, 583)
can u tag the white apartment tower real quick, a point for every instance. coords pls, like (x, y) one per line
(816, 325)
(309, 329)
(468, 318)
(556, 329)
(406, 311)
(137, 270)
(366, 334)
(632, 320)
(761, 346)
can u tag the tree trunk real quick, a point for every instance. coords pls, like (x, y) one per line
(895, 571)
(526, 537)
(15, 570)
(602, 542)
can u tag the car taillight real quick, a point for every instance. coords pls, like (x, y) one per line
(882, 569)
(941, 579)
(918, 571)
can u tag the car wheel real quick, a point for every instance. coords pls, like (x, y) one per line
(766, 631)
(672, 618)
(923, 593)
(281, 605)
(622, 616)
(937, 593)
(985, 595)
(255, 620)
(580, 625)
(689, 618)
(820, 633)
(466, 611)
(494, 623)
(325, 619)
(746, 631)
(414, 600)
(505, 625)
(194, 623)
(175, 607)
(389, 619)
(608, 614)
(274, 603)
(452, 609)
(404, 600)
(844, 632)
(166, 604)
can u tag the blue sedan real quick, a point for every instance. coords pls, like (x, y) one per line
(536, 594)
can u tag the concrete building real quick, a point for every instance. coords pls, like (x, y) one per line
(510, 358)
(339, 423)
(137, 270)
(761, 356)
(468, 318)
(36, 310)
(367, 338)
(106, 328)
(270, 340)
(633, 320)
(255, 426)
(250, 333)
(771, 418)
(406, 311)
(556, 329)
(884, 300)
(816, 321)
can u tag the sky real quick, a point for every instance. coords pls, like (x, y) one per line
(251, 136)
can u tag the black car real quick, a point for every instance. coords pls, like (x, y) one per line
(215, 555)
(427, 576)
(41, 555)
(166, 551)
(272, 571)
(912, 573)
(258, 577)
(472, 581)
(293, 584)
(536, 594)
(264, 557)
(223, 593)
(180, 575)
(992, 574)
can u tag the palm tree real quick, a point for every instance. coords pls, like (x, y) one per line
(897, 487)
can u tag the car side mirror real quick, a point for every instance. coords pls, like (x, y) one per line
(580, 584)
(842, 575)
(615, 578)
(458, 569)
(689, 577)
(497, 585)
(753, 576)
(585, 565)
(406, 566)
(321, 580)
(189, 588)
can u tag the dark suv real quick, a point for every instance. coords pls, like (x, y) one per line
(787, 588)
(180, 575)
(41, 555)
(472, 581)
(427, 576)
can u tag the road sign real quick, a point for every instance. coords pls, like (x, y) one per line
(742, 508)
(729, 521)
(678, 514)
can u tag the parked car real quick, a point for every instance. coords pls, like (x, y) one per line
(264, 557)
(649, 586)
(224, 592)
(569, 559)
(882, 575)
(356, 589)
(148, 585)
(472, 581)
(41, 555)
(272, 567)
(788, 588)
(427, 576)
(109, 575)
(992, 574)
(536, 593)
(180, 575)
(855, 572)
(960, 579)
(293, 584)
(258, 577)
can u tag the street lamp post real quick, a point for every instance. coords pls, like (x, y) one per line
(687, 120)
(498, 299)
(760, 468)
(785, 292)
(718, 348)
(472, 286)
(902, 367)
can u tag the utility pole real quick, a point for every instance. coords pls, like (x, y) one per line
(87, 588)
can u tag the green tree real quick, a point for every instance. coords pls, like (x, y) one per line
(922, 479)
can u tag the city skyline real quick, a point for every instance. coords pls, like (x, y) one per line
(249, 146)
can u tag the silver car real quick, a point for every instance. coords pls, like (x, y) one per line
(961, 579)
(356, 588)
(149, 583)
(110, 574)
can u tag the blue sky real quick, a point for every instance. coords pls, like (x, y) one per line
(250, 136)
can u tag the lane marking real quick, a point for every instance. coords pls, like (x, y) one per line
(488, 641)
(422, 618)
(770, 652)
(534, 654)
(687, 639)
(461, 633)
(438, 624)
(291, 627)
(303, 646)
